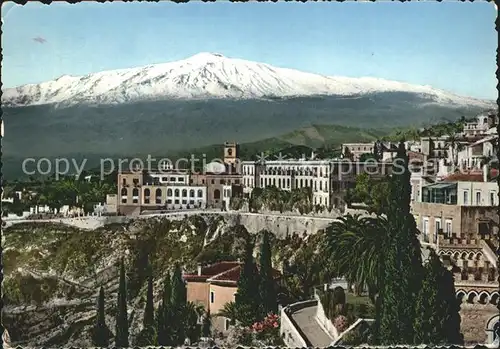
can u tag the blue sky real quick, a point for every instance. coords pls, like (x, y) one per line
(447, 45)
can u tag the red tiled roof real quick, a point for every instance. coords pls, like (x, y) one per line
(474, 176)
(227, 272)
(233, 275)
(211, 270)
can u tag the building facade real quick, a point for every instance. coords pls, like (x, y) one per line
(328, 179)
(176, 189)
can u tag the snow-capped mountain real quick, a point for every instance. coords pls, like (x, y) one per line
(210, 75)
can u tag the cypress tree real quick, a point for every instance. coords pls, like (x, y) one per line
(403, 263)
(100, 332)
(163, 315)
(451, 311)
(148, 335)
(437, 318)
(149, 311)
(428, 320)
(266, 281)
(206, 328)
(179, 296)
(178, 305)
(247, 297)
(121, 340)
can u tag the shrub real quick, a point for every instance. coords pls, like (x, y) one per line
(341, 323)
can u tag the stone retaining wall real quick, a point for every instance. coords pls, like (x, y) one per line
(325, 323)
(289, 330)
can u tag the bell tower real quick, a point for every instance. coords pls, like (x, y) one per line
(231, 150)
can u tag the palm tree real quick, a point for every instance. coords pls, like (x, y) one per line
(354, 245)
(229, 311)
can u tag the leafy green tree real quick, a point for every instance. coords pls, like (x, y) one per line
(402, 265)
(101, 333)
(121, 337)
(267, 288)
(367, 156)
(247, 296)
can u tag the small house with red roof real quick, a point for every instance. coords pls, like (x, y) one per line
(215, 285)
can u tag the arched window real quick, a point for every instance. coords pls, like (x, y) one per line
(177, 192)
(191, 193)
(169, 192)
(124, 192)
(147, 192)
(184, 193)
(217, 194)
(200, 193)
(135, 192)
(158, 196)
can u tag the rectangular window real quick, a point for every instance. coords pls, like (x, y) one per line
(425, 226)
(227, 323)
(478, 198)
(448, 227)
(181, 179)
(438, 225)
(212, 297)
(492, 199)
(466, 197)
(483, 228)
(172, 179)
(124, 201)
(164, 179)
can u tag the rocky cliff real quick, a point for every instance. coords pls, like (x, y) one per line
(52, 272)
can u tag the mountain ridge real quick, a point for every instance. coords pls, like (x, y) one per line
(212, 76)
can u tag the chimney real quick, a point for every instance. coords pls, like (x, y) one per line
(486, 173)
(199, 269)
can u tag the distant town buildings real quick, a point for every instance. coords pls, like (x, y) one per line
(179, 189)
